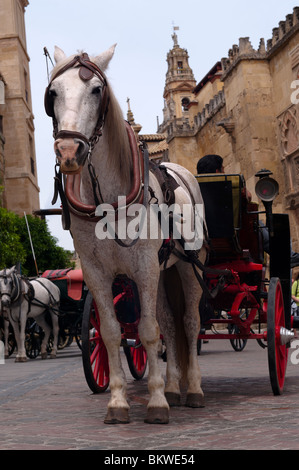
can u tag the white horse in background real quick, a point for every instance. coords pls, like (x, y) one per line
(89, 128)
(22, 299)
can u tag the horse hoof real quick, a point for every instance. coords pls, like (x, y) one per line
(52, 356)
(195, 400)
(21, 359)
(157, 415)
(6, 356)
(173, 399)
(117, 416)
(44, 355)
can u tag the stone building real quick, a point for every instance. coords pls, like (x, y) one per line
(156, 143)
(18, 173)
(246, 109)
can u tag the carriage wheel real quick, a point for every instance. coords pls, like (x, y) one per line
(277, 353)
(94, 352)
(11, 343)
(78, 332)
(33, 339)
(137, 360)
(238, 344)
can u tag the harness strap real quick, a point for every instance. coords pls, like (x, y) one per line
(52, 305)
(166, 181)
(191, 257)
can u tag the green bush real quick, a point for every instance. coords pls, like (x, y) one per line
(15, 244)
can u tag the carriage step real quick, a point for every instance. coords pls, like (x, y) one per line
(128, 342)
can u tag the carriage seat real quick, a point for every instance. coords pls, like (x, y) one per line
(230, 226)
(72, 281)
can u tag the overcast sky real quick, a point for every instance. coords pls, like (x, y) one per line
(142, 30)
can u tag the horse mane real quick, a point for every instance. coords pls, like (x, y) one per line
(117, 138)
(114, 129)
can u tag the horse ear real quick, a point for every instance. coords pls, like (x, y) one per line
(59, 55)
(103, 59)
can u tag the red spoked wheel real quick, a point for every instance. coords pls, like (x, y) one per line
(94, 352)
(277, 352)
(137, 360)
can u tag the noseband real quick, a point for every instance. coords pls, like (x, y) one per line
(87, 70)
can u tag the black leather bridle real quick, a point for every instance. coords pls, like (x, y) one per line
(87, 70)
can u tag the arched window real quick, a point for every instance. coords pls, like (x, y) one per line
(185, 103)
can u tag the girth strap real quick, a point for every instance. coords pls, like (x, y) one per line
(167, 183)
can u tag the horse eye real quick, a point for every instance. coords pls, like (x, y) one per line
(97, 90)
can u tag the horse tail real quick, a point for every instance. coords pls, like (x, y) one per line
(175, 296)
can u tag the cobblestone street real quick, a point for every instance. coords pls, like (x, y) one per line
(47, 405)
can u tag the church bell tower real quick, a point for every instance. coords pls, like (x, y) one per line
(17, 145)
(179, 84)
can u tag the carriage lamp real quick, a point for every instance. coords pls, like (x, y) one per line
(266, 188)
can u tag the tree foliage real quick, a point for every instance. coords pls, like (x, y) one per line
(15, 244)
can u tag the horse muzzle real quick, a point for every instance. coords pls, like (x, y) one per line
(71, 152)
(5, 301)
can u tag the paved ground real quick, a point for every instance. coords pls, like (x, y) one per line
(46, 405)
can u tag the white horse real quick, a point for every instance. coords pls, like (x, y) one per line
(22, 299)
(89, 125)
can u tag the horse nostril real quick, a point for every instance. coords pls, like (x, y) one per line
(83, 148)
(57, 153)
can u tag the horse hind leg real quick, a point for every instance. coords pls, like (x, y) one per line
(168, 329)
(192, 295)
(42, 322)
(55, 330)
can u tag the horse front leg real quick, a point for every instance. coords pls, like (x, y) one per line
(6, 339)
(157, 408)
(118, 407)
(18, 321)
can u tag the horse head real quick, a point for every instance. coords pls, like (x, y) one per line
(77, 99)
(7, 286)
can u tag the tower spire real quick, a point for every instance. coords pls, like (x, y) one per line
(174, 36)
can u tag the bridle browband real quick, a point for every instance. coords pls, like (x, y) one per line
(70, 197)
